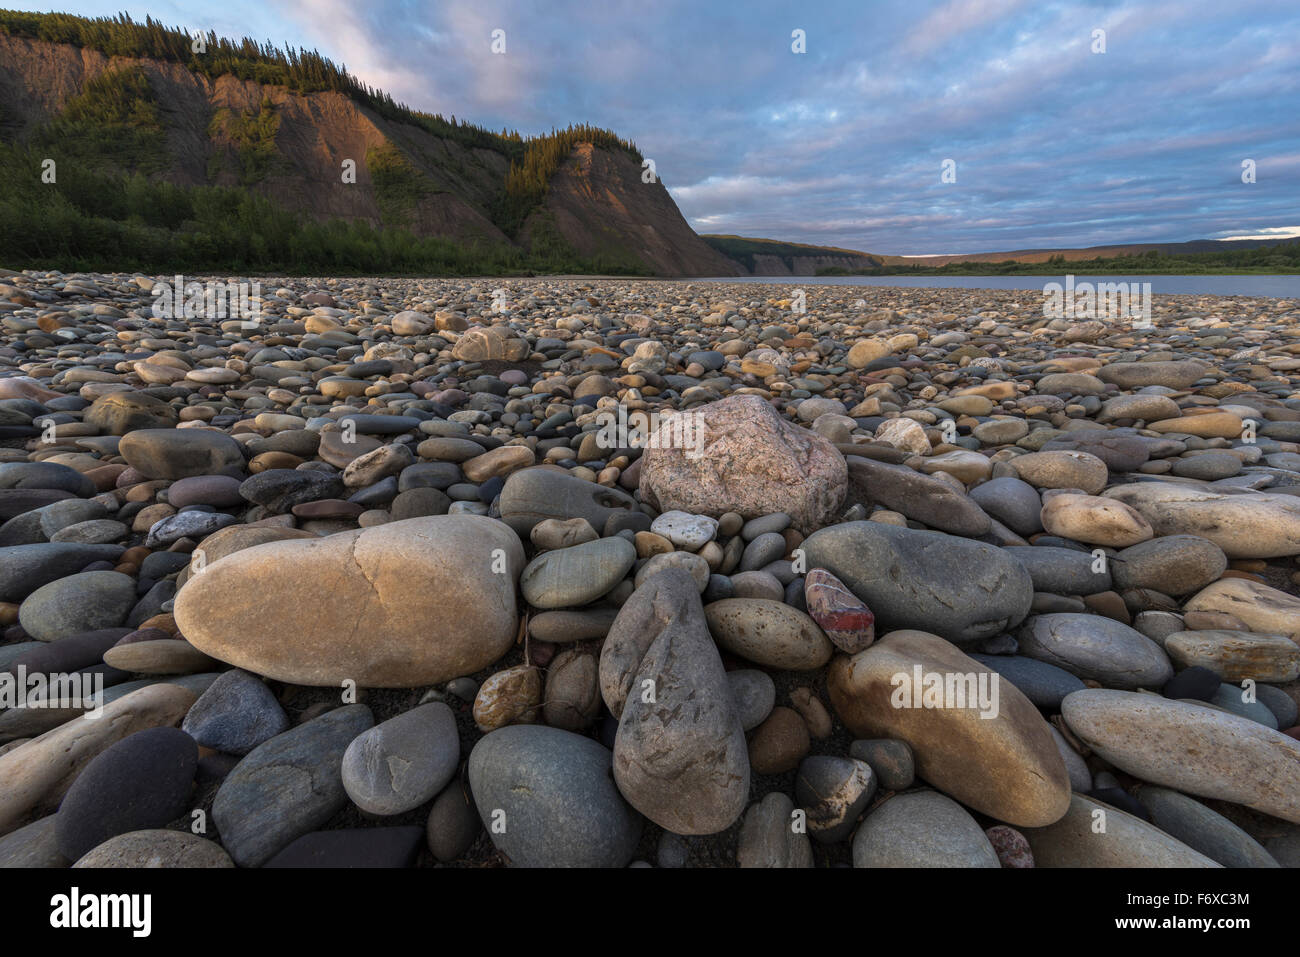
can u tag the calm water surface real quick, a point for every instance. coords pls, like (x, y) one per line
(1284, 287)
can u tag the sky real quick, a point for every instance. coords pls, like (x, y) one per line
(1051, 142)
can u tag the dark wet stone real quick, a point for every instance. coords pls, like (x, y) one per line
(45, 475)
(143, 781)
(1195, 682)
(25, 568)
(353, 847)
(236, 714)
(287, 786)
(279, 490)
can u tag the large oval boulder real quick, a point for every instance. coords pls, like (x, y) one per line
(739, 455)
(547, 799)
(181, 453)
(1096, 647)
(1260, 607)
(1190, 748)
(400, 605)
(916, 495)
(1245, 525)
(679, 755)
(921, 829)
(1093, 834)
(973, 736)
(958, 588)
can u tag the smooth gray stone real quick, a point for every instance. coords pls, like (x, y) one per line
(141, 782)
(45, 475)
(403, 762)
(33, 845)
(1062, 571)
(16, 501)
(1171, 564)
(1043, 684)
(768, 837)
(578, 624)
(439, 475)
(9, 654)
(235, 714)
(1092, 646)
(1126, 841)
(24, 529)
(922, 829)
(87, 601)
(534, 494)
(381, 424)
(287, 787)
(1013, 502)
(59, 515)
(279, 490)
(1075, 766)
(151, 603)
(1282, 705)
(453, 823)
(576, 575)
(1158, 625)
(1202, 829)
(762, 551)
(181, 453)
(928, 500)
(195, 525)
(547, 799)
(754, 694)
(1228, 697)
(679, 756)
(300, 442)
(354, 847)
(891, 760)
(958, 588)
(99, 531)
(776, 522)
(25, 568)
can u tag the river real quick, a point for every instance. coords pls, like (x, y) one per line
(1283, 287)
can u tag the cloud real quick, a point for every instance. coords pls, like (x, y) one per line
(1054, 145)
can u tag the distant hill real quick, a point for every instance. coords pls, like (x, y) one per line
(770, 257)
(1095, 252)
(143, 129)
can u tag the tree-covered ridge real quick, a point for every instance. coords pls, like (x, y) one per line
(743, 249)
(528, 178)
(113, 119)
(102, 220)
(252, 134)
(302, 71)
(110, 211)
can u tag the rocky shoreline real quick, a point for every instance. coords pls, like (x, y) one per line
(601, 572)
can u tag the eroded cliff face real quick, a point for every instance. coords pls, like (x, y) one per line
(596, 203)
